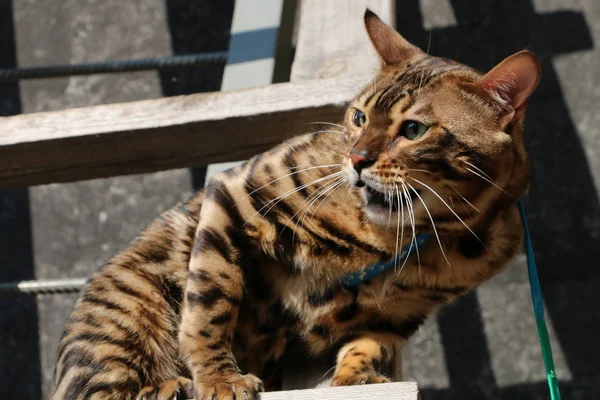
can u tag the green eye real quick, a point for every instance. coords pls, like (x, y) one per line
(413, 130)
(359, 118)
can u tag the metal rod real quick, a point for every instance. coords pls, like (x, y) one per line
(142, 64)
(53, 286)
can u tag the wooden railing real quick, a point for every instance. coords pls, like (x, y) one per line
(332, 61)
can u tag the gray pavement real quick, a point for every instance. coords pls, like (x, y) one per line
(483, 347)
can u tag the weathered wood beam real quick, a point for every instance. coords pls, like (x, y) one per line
(388, 391)
(185, 131)
(152, 135)
(332, 41)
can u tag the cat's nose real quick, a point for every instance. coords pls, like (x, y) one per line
(359, 160)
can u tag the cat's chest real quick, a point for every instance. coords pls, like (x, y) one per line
(348, 307)
(330, 306)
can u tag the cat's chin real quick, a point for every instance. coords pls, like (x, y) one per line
(380, 215)
(385, 211)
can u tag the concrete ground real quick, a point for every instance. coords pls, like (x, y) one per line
(483, 347)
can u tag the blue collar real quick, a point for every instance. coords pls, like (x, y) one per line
(371, 271)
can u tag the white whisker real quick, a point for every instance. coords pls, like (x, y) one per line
(294, 173)
(420, 84)
(455, 191)
(411, 216)
(310, 200)
(327, 131)
(397, 233)
(390, 211)
(325, 123)
(488, 181)
(464, 199)
(327, 372)
(429, 43)
(449, 208)
(338, 183)
(422, 170)
(432, 223)
(401, 206)
(307, 208)
(310, 197)
(462, 204)
(485, 176)
(423, 72)
(478, 169)
(308, 203)
(290, 192)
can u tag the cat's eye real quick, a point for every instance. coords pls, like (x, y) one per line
(359, 118)
(413, 130)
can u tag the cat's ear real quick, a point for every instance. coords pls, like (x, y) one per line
(511, 83)
(390, 45)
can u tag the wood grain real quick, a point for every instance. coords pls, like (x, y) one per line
(159, 134)
(332, 41)
(195, 130)
(388, 391)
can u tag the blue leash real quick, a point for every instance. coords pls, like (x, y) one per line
(353, 279)
(538, 310)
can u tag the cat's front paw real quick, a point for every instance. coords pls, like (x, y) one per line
(228, 387)
(176, 389)
(359, 378)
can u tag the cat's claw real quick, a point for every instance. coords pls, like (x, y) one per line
(176, 389)
(235, 387)
(358, 379)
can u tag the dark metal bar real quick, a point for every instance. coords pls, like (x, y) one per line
(43, 286)
(143, 64)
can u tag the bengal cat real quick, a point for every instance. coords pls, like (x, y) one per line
(209, 297)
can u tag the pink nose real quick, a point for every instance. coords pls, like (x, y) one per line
(356, 158)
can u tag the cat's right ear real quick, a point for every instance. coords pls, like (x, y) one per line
(511, 83)
(390, 45)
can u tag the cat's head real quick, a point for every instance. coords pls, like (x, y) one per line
(438, 134)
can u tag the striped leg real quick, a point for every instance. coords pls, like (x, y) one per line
(178, 388)
(213, 294)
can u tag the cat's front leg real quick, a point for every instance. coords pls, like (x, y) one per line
(367, 359)
(213, 294)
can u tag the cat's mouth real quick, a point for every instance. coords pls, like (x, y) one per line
(377, 199)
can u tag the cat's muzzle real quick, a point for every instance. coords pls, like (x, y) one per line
(391, 200)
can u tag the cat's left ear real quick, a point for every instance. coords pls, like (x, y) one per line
(390, 45)
(511, 83)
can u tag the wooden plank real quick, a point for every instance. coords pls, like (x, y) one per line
(332, 41)
(159, 134)
(388, 391)
(167, 133)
